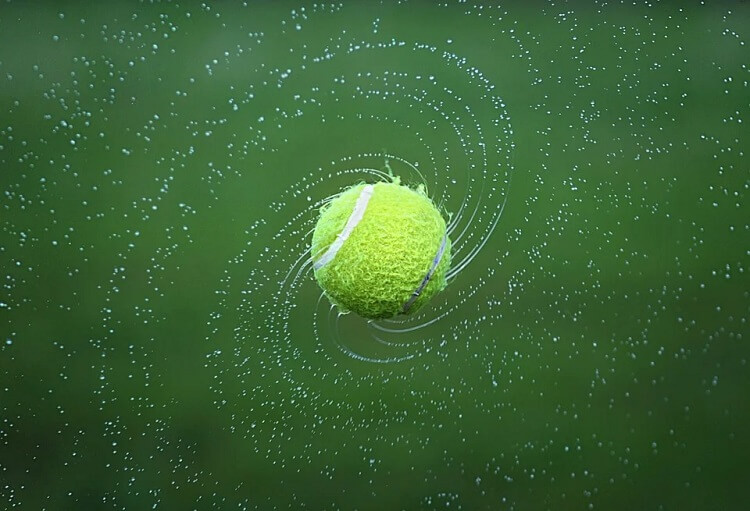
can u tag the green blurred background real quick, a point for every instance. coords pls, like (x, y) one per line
(165, 346)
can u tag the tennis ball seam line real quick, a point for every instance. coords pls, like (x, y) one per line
(354, 218)
(430, 272)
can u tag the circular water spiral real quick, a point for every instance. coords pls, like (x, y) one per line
(370, 117)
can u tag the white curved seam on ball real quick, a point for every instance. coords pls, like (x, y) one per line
(426, 279)
(354, 218)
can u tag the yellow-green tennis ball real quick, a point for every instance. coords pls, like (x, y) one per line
(380, 250)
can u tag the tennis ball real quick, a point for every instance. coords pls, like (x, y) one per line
(380, 250)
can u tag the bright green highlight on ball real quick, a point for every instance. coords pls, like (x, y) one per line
(381, 250)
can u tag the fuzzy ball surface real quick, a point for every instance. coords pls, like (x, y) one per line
(380, 250)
